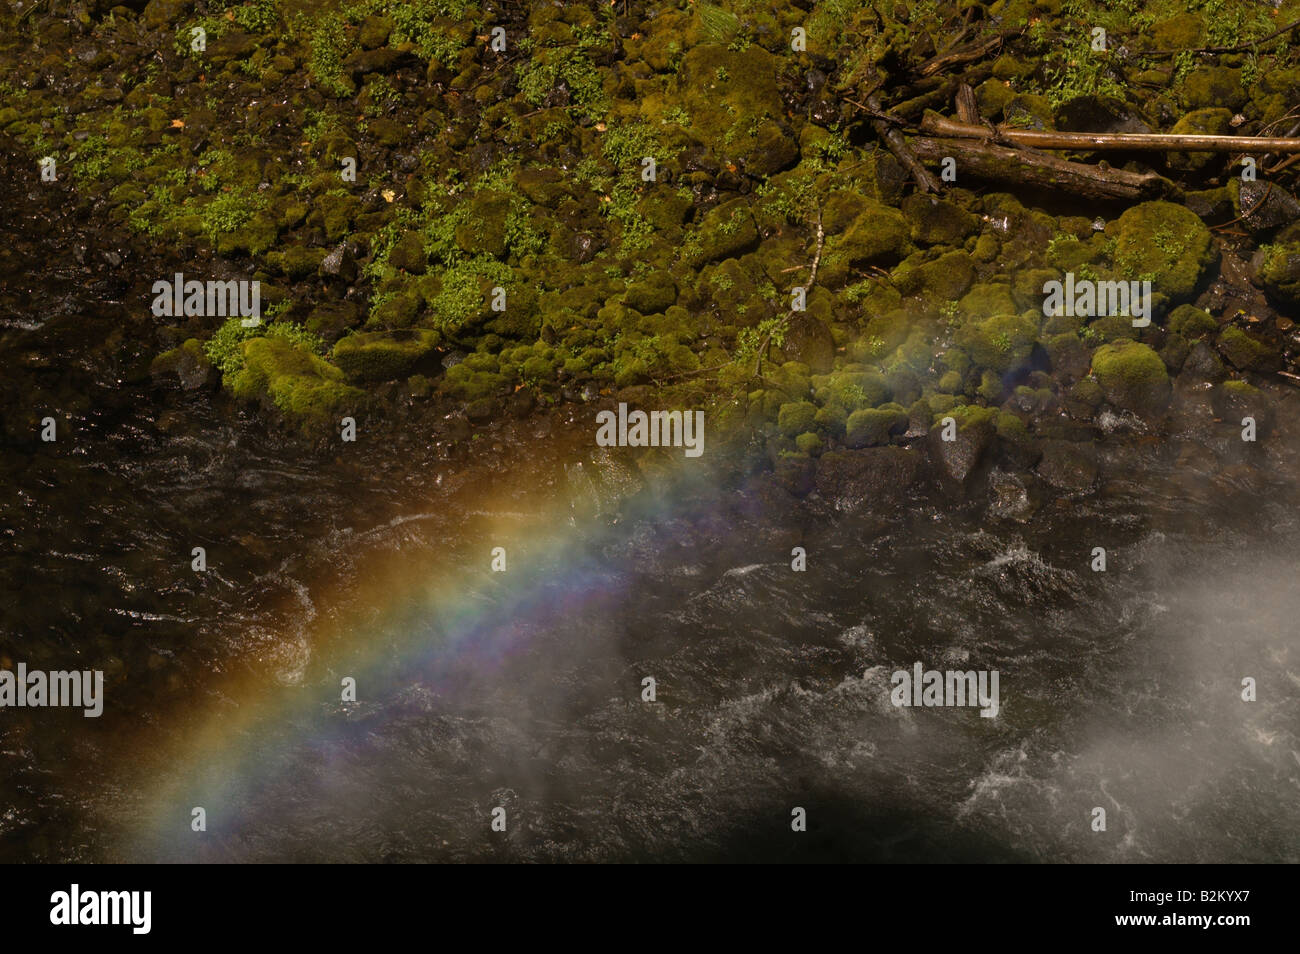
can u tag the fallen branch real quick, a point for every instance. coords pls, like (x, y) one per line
(935, 125)
(937, 63)
(898, 146)
(987, 160)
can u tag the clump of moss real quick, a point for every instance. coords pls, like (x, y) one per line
(1164, 243)
(1277, 268)
(384, 356)
(1246, 352)
(999, 343)
(873, 426)
(1132, 377)
(302, 385)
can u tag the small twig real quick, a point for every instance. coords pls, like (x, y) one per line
(23, 15)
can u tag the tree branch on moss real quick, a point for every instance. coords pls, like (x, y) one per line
(935, 125)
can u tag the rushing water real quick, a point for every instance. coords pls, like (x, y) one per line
(523, 690)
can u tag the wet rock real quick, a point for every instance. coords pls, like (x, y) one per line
(1235, 400)
(1246, 352)
(1009, 497)
(1132, 376)
(1098, 114)
(1266, 205)
(872, 477)
(188, 363)
(808, 341)
(1277, 269)
(795, 475)
(340, 263)
(958, 460)
(1068, 466)
(383, 60)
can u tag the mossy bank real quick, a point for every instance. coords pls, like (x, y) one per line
(579, 203)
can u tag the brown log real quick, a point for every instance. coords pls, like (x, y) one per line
(935, 125)
(968, 110)
(987, 160)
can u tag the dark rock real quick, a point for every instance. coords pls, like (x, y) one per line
(958, 460)
(1068, 466)
(871, 477)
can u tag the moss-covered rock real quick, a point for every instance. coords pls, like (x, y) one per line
(736, 107)
(384, 355)
(1246, 352)
(1214, 121)
(1191, 322)
(302, 385)
(728, 230)
(999, 343)
(1277, 268)
(937, 221)
(1165, 243)
(1132, 377)
(188, 363)
(796, 417)
(654, 293)
(874, 426)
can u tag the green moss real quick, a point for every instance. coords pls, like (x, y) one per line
(999, 343)
(795, 417)
(873, 426)
(943, 280)
(1163, 242)
(1214, 121)
(809, 443)
(1191, 322)
(725, 232)
(1246, 352)
(654, 293)
(1278, 270)
(1132, 376)
(384, 356)
(303, 386)
(736, 107)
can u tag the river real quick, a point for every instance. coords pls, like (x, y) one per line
(523, 690)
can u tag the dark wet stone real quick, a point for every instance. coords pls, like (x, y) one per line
(1266, 205)
(868, 477)
(1068, 466)
(809, 342)
(1009, 497)
(957, 460)
(1203, 364)
(383, 60)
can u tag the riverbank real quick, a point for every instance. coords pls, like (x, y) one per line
(489, 177)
